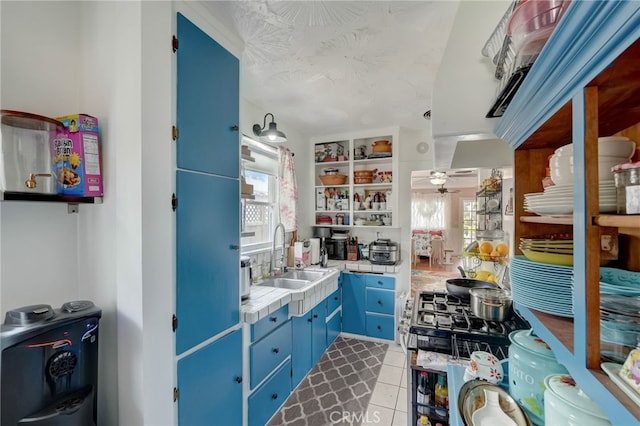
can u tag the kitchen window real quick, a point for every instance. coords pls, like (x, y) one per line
(469, 222)
(258, 214)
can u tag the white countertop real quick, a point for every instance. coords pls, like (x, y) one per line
(363, 266)
(264, 300)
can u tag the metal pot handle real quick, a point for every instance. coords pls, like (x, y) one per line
(494, 305)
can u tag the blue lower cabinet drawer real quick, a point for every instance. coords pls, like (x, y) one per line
(380, 326)
(266, 400)
(267, 353)
(333, 301)
(380, 281)
(381, 301)
(269, 323)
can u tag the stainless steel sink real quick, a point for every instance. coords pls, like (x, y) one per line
(291, 284)
(303, 275)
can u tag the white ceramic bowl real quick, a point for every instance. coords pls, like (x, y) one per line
(609, 146)
(562, 167)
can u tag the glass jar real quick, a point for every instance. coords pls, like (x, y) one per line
(627, 180)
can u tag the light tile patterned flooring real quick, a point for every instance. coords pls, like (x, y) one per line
(380, 397)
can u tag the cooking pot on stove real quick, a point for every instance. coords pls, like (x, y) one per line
(491, 304)
(530, 361)
(460, 286)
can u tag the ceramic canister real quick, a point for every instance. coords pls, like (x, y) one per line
(530, 361)
(566, 404)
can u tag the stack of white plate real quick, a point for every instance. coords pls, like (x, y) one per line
(543, 287)
(557, 200)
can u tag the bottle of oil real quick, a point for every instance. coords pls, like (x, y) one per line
(441, 392)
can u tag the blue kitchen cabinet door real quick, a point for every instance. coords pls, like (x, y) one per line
(207, 257)
(210, 383)
(353, 304)
(334, 327)
(318, 331)
(301, 348)
(208, 105)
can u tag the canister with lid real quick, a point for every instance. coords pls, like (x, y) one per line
(530, 361)
(627, 179)
(566, 404)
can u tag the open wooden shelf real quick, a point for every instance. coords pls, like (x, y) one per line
(547, 219)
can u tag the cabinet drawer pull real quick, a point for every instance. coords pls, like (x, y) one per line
(273, 319)
(335, 298)
(309, 320)
(315, 315)
(276, 350)
(380, 282)
(274, 396)
(234, 247)
(239, 379)
(379, 302)
(379, 327)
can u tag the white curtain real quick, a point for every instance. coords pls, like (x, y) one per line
(288, 190)
(430, 210)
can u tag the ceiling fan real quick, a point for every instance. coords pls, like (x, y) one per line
(442, 190)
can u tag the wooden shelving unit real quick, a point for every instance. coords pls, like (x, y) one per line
(585, 84)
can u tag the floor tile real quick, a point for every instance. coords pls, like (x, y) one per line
(401, 403)
(397, 359)
(378, 415)
(395, 348)
(390, 375)
(384, 395)
(399, 418)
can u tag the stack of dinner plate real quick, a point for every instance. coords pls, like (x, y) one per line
(543, 287)
(555, 249)
(557, 200)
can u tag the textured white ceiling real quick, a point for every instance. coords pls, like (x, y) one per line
(340, 66)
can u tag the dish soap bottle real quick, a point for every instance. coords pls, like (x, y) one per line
(423, 394)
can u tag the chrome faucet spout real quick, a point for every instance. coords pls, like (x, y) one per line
(282, 268)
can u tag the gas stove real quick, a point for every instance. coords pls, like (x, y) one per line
(442, 322)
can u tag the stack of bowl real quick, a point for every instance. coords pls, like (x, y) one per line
(612, 150)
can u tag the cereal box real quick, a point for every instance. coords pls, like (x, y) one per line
(76, 154)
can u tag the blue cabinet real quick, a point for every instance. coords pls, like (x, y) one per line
(208, 104)
(266, 354)
(353, 303)
(369, 305)
(318, 331)
(208, 267)
(207, 230)
(210, 383)
(334, 315)
(301, 348)
(266, 400)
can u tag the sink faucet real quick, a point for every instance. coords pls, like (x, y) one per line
(282, 268)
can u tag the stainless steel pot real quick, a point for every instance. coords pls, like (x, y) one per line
(491, 304)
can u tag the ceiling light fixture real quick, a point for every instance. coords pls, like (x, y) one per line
(438, 181)
(272, 134)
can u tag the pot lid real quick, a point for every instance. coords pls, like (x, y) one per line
(526, 340)
(564, 387)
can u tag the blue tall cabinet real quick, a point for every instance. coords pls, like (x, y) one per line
(208, 336)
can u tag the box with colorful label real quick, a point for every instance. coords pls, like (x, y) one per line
(77, 159)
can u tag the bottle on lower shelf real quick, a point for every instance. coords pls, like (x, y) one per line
(423, 394)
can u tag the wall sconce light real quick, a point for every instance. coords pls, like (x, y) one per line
(272, 134)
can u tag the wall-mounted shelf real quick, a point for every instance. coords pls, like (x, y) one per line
(25, 196)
